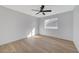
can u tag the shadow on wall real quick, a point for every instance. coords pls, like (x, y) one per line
(76, 26)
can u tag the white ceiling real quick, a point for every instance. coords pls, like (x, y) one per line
(27, 9)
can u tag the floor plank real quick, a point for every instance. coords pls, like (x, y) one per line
(39, 44)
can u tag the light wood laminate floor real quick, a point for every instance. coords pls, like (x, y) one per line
(38, 44)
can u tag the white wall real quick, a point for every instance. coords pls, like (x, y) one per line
(14, 25)
(76, 26)
(65, 24)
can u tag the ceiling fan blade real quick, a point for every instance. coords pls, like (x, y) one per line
(37, 13)
(35, 10)
(43, 13)
(47, 10)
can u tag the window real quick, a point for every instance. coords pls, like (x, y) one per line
(51, 23)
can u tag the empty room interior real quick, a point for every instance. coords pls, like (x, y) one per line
(39, 28)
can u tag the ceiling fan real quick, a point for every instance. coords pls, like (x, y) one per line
(42, 10)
